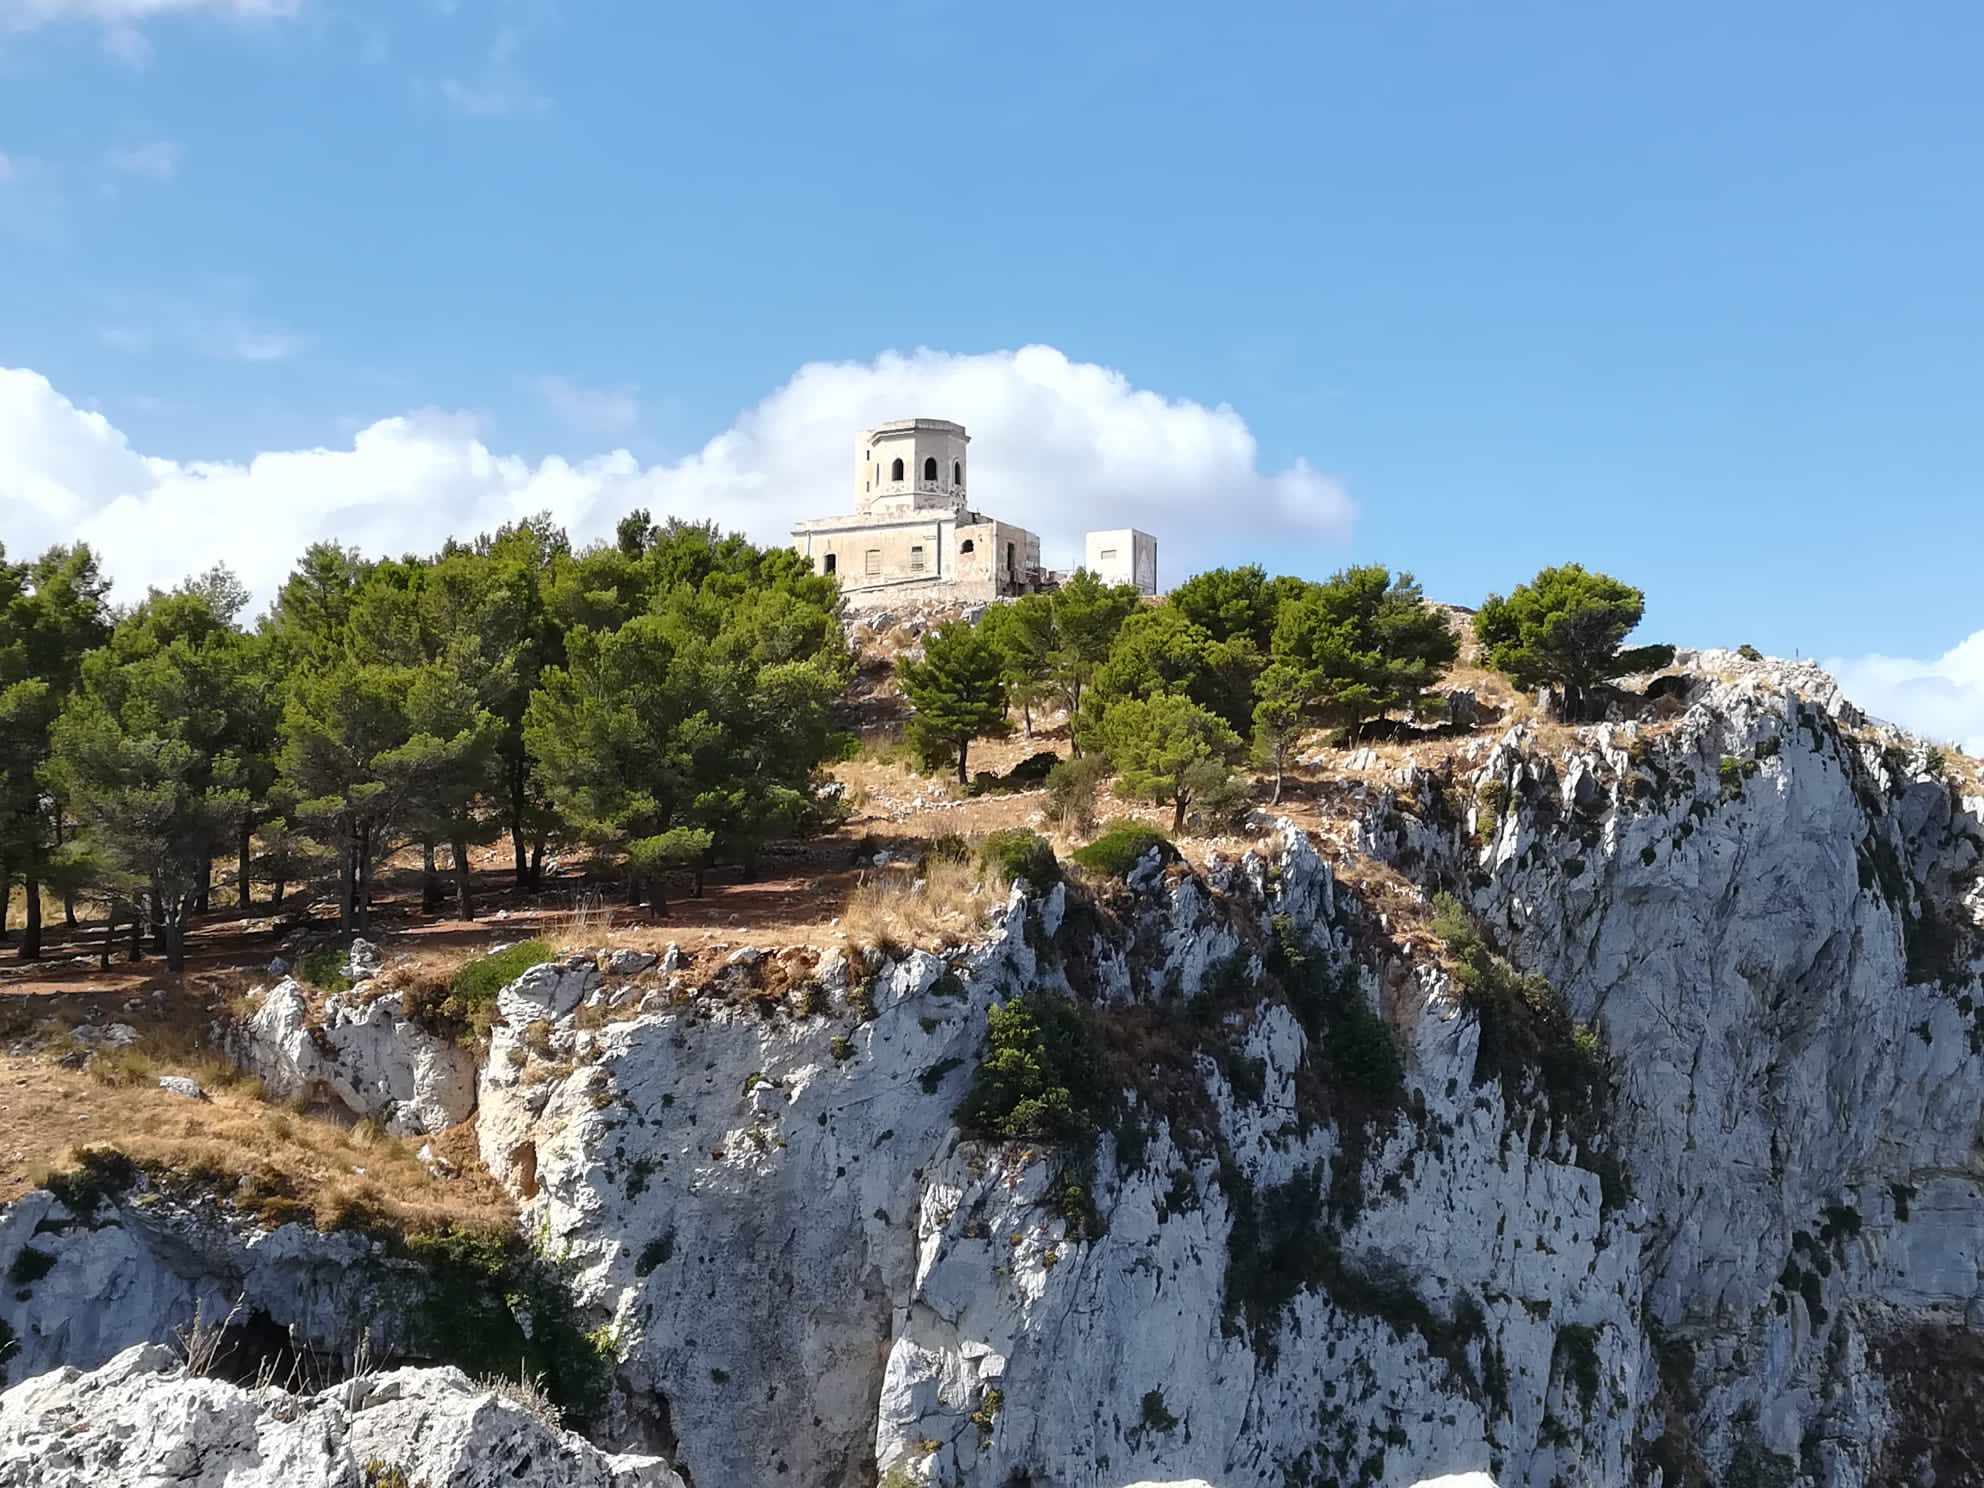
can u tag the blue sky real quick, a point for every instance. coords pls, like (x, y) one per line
(1692, 295)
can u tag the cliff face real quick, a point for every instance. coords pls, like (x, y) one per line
(1734, 1239)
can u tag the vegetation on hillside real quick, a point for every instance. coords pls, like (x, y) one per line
(669, 697)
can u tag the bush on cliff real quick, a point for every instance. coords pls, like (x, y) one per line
(1037, 1078)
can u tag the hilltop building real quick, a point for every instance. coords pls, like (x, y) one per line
(913, 533)
(1123, 556)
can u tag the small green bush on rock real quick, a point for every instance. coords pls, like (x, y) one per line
(1017, 854)
(1037, 1078)
(468, 1007)
(1123, 845)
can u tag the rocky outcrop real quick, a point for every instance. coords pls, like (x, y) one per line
(360, 1052)
(1670, 1176)
(1768, 906)
(782, 1216)
(92, 1277)
(142, 1420)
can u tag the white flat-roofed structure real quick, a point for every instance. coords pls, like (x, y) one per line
(1122, 555)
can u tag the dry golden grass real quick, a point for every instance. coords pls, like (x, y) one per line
(279, 1165)
(944, 903)
(270, 1159)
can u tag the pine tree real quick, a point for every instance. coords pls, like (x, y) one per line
(1278, 719)
(1367, 641)
(1087, 615)
(1567, 628)
(1022, 631)
(959, 693)
(52, 613)
(1169, 749)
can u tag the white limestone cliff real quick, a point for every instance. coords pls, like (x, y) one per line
(359, 1051)
(140, 1420)
(1760, 1260)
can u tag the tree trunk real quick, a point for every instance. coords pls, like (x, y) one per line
(1275, 799)
(362, 908)
(633, 889)
(1178, 817)
(700, 870)
(519, 794)
(275, 904)
(536, 861)
(68, 895)
(158, 923)
(964, 746)
(175, 940)
(6, 902)
(204, 895)
(430, 879)
(464, 889)
(245, 852)
(657, 897)
(30, 946)
(1026, 718)
(348, 884)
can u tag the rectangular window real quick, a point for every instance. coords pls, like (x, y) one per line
(1108, 555)
(874, 562)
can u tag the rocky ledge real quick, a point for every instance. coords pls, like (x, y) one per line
(142, 1420)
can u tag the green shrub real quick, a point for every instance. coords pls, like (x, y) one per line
(1732, 772)
(469, 1005)
(324, 969)
(948, 847)
(29, 1266)
(1749, 652)
(1123, 845)
(1072, 789)
(1530, 1040)
(1017, 854)
(487, 1296)
(1577, 1349)
(1037, 1076)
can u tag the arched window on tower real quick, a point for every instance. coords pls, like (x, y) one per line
(895, 471)
(957, 472)
(968, 546)
(930, 469)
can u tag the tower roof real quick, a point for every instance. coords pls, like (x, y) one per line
(910, 425)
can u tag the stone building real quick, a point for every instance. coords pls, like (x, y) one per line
(1123, 556)
(913, 532)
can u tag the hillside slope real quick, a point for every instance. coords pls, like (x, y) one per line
(1667, 1173)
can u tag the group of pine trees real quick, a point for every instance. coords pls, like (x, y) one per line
(1170, 694)
(669, 696)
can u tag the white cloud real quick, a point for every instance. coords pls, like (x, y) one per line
(121, 20)
(590, 410)
(6, 168)
(220, 334)
(33, 12)
(156, 160)
(1057, 445)
(1940, 699)
(499, 89)
(245, 342)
